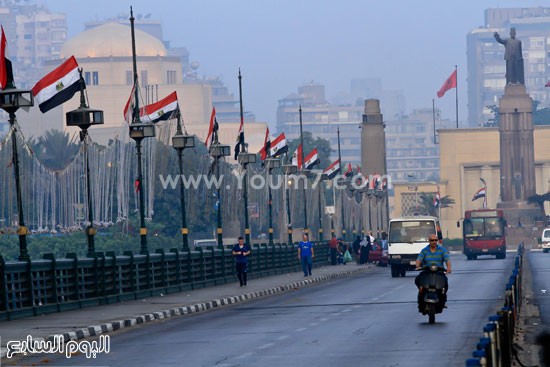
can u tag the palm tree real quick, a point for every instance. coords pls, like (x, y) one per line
(426, 206)
(539, 200)
(56, 149)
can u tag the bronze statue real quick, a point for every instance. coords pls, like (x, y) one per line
(513, 57)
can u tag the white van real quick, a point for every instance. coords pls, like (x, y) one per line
(408, 236)
(545, 240)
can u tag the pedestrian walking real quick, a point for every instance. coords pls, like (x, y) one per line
(241, 252)
(305, 255)
(333, 245)
(364, 249)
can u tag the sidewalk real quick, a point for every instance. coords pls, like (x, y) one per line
(93, 321)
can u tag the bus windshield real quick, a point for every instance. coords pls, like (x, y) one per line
(478, 228)
(411, 231)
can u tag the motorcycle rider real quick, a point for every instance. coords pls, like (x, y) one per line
(433, 254)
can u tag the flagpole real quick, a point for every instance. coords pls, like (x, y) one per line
(456, 95)
(245, 189)
(306, 230)
(433, 113)
(341, 191)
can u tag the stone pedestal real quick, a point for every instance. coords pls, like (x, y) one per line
(517, 156)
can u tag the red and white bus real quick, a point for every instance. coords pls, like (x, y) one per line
(483, 232)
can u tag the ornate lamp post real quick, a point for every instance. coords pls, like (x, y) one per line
(84, 117)
(324, 177)
(244, 160)
(217, 151)
(271, 163)
(138, 132)
(11, 99)
(289, 169)
(180, 142)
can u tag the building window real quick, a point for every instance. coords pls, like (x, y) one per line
(144, 77)
(170, 77)
(87, 77)
(129, 77)
(95, 78)
(28, 37)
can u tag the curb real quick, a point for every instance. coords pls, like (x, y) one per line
(96, 330)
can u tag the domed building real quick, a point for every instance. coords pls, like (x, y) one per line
(105, 55)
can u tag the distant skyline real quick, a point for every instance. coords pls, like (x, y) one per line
(280, 45)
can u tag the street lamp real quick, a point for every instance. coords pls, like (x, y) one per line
(323, 177)
(180, 142)
(270, 164)
(138, 132)
(11, 99)
(218, 151)
(244, 160)
(84, 117)
(289, 169)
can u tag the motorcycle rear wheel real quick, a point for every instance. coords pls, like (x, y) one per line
(431, 314)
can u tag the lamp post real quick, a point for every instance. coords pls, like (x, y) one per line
(11, 99)
(84, 117)
(180, 142)
(217, 151)
(270, 163)
(304, 171)
(341, 191)
(370, 192)
(289, 169)
(415, 192)
(324, 177)
(138, 132)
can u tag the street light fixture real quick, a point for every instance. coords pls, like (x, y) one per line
(11, 99)
(270, 164)
(179, 143)
(324, 177)
(289, 169)
(218, 151)
(84, 117)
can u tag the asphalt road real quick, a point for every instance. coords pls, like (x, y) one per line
(540, 270)
(366, 320)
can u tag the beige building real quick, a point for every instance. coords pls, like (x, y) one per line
(105, 55)
(466, 155)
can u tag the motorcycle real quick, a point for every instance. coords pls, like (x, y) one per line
(431, 284)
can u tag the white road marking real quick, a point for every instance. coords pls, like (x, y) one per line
(244, 355)
(266, 346)
(282, 337)
(324, 319)
(300, 329)
(314, 324)
(347, 310)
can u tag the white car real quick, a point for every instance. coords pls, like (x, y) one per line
(545, 240)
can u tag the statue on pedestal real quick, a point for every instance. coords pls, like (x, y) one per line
(513, 57)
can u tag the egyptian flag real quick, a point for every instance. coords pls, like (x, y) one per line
(333, 170)
(297, 157)
(349, 172)
(376, 181)
(240, 139)
(547, 84)
(130, 105)
(449, 84)
(279, 146)
(3, 68)
(479, 194)
(437, 200)
(266, 150)
(58, 86)
(312, 159)
(385, 184)
(161, 110)
(211, 129)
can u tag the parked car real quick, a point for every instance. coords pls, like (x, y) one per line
(379, 254)
(545, 240)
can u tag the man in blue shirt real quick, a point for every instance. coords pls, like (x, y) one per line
(241, 252)
(433, 254)
(305, 255)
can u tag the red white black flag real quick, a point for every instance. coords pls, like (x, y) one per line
(266, 150)
(58, 86)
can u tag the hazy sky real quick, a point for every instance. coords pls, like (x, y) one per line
(412, 45)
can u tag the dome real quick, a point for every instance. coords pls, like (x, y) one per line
(111, 39)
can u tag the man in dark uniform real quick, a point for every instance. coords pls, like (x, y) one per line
(241, 252)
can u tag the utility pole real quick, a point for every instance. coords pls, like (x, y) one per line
(306, 230)
(341, 191)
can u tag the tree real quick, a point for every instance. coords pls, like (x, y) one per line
(322, 145)
(539, 200)
(426, 203)
(541, 116)
(56, 149)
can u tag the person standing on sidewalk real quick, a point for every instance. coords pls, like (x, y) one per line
(305, 255)
(333, 245)
(241, 252)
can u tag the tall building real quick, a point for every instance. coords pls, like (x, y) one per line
(227, 106)
(410, 148)
(486, 65)
(322, 120)
(34, 35)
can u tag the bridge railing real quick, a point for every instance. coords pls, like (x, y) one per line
(52, 285)
(495, 347)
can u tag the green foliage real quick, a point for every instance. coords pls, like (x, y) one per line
(541, 116)
(426, 206)
(539, 199)
(322, 145)
(55, 149)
